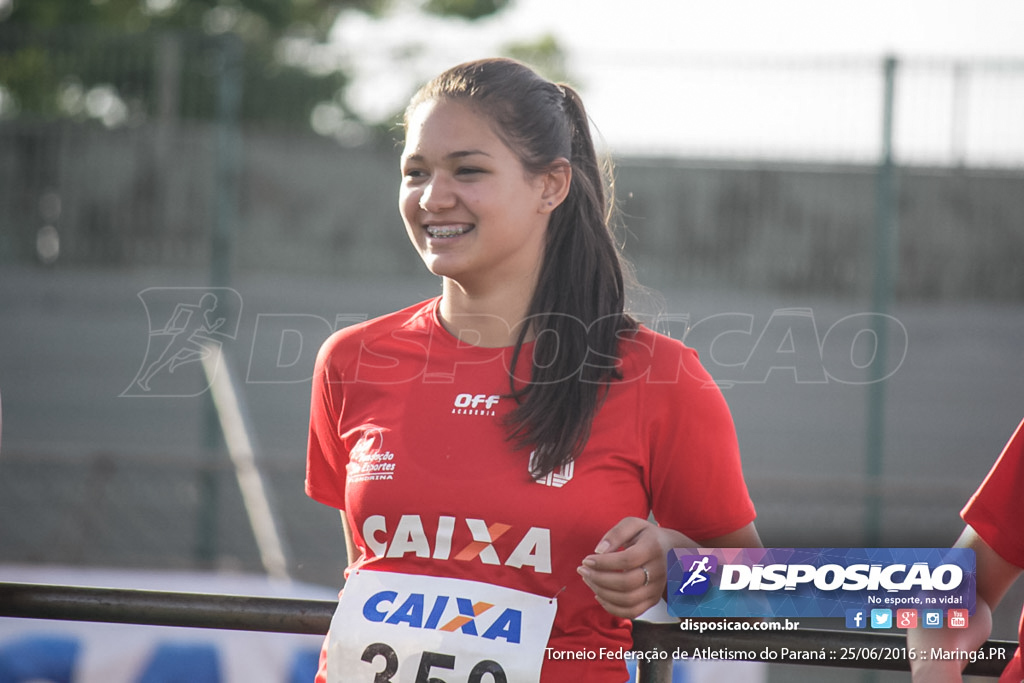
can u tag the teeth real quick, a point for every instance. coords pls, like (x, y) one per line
(446, 230)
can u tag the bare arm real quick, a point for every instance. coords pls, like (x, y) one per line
(615, 571)
(352, 552)
(995, 576)
(744, 537)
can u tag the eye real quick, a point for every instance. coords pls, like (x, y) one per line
(469, 171)
(413, 173)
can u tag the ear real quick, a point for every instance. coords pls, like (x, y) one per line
(556, 181)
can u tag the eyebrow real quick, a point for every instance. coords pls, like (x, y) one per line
(453, 155)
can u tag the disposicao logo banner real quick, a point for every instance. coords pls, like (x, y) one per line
(816, 582)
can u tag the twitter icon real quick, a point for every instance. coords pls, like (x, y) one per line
(881, 618)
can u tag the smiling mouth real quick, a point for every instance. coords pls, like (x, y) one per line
(447, 231)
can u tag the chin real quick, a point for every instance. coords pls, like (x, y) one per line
(441, 269)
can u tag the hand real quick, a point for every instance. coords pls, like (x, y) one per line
(627, 569)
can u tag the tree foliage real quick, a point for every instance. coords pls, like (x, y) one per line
(69, 57)
(545, 55)
(253, 19)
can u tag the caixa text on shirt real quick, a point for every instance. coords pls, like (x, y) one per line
(815, 582)
(465, 539)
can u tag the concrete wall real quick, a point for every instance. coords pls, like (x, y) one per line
(960, 232)
(138, 196)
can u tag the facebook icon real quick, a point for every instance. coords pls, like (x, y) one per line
(855, 618)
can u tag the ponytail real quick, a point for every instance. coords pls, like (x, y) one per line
(579, 305)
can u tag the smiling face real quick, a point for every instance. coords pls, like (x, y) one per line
(471, 210)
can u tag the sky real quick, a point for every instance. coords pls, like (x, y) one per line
(932, 27)
(735, 76)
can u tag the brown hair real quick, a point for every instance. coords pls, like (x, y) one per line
(577, 310)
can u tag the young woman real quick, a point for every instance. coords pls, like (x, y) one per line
(497, 452)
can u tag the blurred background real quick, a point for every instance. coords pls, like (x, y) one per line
(825, 199)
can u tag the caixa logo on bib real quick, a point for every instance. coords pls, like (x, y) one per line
(401, 627)
(445, 613)
(816, 582)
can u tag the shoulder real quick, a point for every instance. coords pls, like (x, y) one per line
(346, 343)
(656, 358)
(996, 506)
(1007, 473)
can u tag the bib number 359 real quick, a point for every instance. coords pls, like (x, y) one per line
(400, 628)
(428, 662)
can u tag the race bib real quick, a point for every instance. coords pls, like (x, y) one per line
(424, 629)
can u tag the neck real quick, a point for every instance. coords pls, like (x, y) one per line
(490, 319)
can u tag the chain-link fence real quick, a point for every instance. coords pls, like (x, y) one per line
(949, 113)
(109, 142)
(171, 149)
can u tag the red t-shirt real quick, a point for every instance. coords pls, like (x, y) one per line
(996, 511)
(406, 436)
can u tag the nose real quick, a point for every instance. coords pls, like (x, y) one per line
(436, 196)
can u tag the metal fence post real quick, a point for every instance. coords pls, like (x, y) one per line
(227, 160)
(223, 234)
(886, 247)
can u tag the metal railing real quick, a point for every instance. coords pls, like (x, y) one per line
(843, 649)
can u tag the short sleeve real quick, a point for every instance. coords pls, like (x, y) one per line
(696, 475)
(996, 510)
(326, 454)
